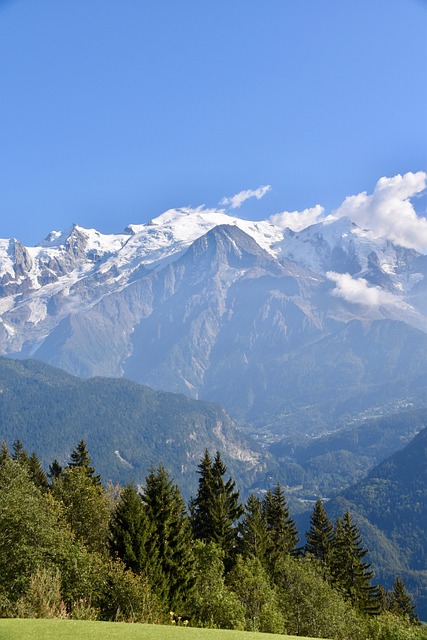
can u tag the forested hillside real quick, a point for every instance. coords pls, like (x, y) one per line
(335, 460)
(390, 506)
(128, 427)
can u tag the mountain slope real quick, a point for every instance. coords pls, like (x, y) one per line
(391, 506)
(269, 322)
(328, 464)
(128, 427)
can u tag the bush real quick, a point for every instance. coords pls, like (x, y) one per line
(211, 603)
(310, 605)
(43, 597)
(388, 626)
(249, 581)
(127, 597)
(83, 610)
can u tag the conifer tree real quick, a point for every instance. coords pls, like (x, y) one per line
(400, 603)
(200, 507)
(319, 536)
(80, 458)
(55, 471)
(31, 463)
(253, 538)
(281, 529)
(133, 537)
(37, 473)
(227, 509)
(4, 453)
(216, 508)
(350, 573)
(19, 454)
(166, 512)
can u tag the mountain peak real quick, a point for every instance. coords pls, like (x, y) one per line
(228, 240)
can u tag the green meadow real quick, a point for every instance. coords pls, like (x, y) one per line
(17, 629)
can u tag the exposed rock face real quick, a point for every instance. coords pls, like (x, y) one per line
(23, 262)
(17, 280)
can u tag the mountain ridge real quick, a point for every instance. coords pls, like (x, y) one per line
(219, 308)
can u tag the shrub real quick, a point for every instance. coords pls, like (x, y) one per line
(43, 597)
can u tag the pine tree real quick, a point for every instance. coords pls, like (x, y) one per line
(55, 470)
(216, 508)
(400, 603)
(80, 458)
(166, 512)
(4, 453)
(200, 507)
(253, 538)
(19, 454)
(37, 473)
(31, 463)
(281, 529)
(133, 537)
(227, 509)
(319, 536)
(349, 572)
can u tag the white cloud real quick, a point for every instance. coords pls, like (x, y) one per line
(298, 220)
(236, 201)
(388, 212)
(359, 291)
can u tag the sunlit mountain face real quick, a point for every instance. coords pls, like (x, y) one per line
(289, 330)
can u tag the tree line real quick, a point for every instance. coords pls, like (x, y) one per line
(71, 547)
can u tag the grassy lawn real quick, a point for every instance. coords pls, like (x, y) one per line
(14, 629)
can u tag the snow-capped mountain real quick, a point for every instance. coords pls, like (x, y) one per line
(265, 320)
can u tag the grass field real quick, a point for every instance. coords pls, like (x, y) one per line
(14, 629)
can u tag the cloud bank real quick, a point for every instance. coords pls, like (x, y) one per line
(237, 200)
(358, 290)
(298, 220)
(388, 212)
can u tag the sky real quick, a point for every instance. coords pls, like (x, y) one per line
(113, 111)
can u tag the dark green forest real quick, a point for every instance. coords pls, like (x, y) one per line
(73, 547)
(129, 427)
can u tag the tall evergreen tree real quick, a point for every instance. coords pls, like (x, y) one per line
(55, 471)
(132, 535)
(350, 573)
(400, 603)
(227, 509)
(216, 508)
(31, 463)
(166, 511)
(80, 458)
(319, 536)
(281, 529)
(19, 454)
(4, 453)
(253, 537)
(201, 506)
(37, 473)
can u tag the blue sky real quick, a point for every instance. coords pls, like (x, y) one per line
(112, 111)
